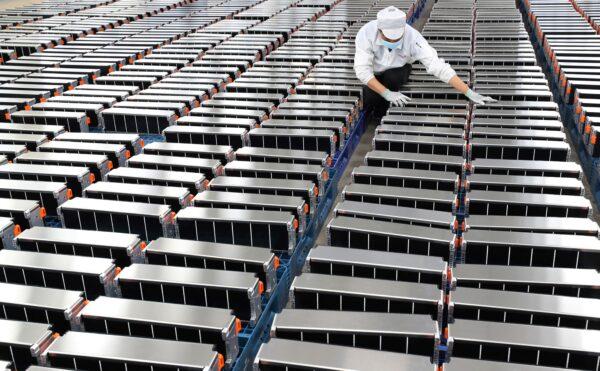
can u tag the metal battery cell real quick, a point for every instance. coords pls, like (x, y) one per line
(344, 90)
(343, 261)
(78, 350)
(23, 343)
(118, 316)
(408, 178)
(344, 99)
(290, 156)
(459, 364)
(313, 114)
(92, 111)
(396, 214)
(40, 305)
(399, 196)
(201, 254)
(76, 178)
(239, 291)
(93, 276)
(50, 131)
(428, 131)
(392, 332)
(174, 197)
(189, 100)
(516, 114)
(268, 88)
(116, 153)
(393, 237)
(22, 103)
(119, 95)
(283, 354)
(179, 108)
(560, 225)
(524, 344)
(209, 168)
(72, 121)
(339, 293)
(81, 99)
(420, 144)
(210, 121)
(194, 182)
(143, 82)
(37, 95)
(50, 195)
(8, 230)
(129, 89)
(282, 187)
(198, 95)
(31, 141)
(264, 106)
(275, 230)
(131, 120)
(527, 204)
(517, 134)
(337, 127)
(123, 248)
(149, 221)
(428, 121)
(269, 170)
(525, 124)
(530, 249)
(583, 283)
(223, 136)
(231, 200)
(99, 165)
(295, 139)
(520, 149)
(256, 97)
(563, 169)
(256, 115)
(525, 308)
(132, 142)
(526, 184)
(10, 151)
(25, 213)
(421, 161)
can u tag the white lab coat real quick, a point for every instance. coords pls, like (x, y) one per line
(373, 58)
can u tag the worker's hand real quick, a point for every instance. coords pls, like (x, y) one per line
(395, 98)
(477, 98)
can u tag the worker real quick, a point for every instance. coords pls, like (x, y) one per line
(385, 49)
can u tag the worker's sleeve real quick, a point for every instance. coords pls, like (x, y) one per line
(363, 58)
(424, 53)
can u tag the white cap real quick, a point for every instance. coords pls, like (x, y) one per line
(391, 21)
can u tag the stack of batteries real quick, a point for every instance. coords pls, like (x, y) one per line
(141, 134)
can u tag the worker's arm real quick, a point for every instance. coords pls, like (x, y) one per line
(443, 71)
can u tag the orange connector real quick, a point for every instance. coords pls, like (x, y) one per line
(238, 326)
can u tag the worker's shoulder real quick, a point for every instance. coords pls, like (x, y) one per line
(370, 28)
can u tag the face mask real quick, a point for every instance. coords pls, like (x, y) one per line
(391, 45)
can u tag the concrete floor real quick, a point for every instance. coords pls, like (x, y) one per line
(363, 147)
